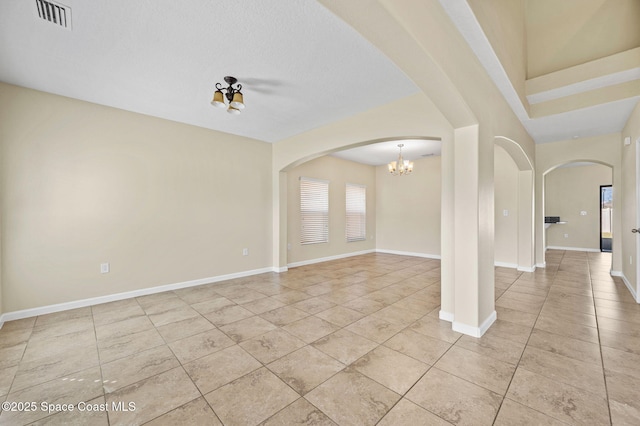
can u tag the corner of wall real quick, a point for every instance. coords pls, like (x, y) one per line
(141, 165)
(631, 192)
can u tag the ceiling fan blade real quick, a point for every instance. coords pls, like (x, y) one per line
(257, 82)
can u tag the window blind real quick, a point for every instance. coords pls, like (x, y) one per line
(356, 201)
(314, 211)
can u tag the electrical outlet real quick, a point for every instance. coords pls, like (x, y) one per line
(245, 252)
(288, 246)
(505, 212)
(566, 235)
(104, 268)
(583, 213)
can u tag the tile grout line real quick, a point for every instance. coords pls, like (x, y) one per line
(151, 348)
(406, 327)
(604, 374)
(403, 396)
(18, 365)
(56, 378)
(527, 344)
(347, 366)
(95, 334)
(263, 365)
(19, 362)
(100, 364)
(180, 363)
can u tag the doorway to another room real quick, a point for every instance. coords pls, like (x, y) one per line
(606, 213)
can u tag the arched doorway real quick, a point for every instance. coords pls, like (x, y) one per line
(515, 236)
(571, 203)
(282, 244)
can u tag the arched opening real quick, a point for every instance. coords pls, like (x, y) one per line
(514, 206)
(572, 207)
(392, 139)
(326, 164)
(506, 209)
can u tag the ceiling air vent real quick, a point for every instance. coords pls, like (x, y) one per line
(55, 13)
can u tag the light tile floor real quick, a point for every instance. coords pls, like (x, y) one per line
(351, 342)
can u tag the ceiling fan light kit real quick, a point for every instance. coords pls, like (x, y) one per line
(233, 95)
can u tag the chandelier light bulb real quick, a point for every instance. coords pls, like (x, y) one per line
(400, 167)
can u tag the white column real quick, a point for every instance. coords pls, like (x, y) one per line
(474, 305)
(539, 220)
(526, 229)
(447, 243)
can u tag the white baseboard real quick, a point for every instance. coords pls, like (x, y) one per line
(475, 331)
(328, 258)
(515, 266)
(409, 253)
(49, 309)
(506, 265)
(592, 250)
(616, 273)
(446, 316)
(42, 310)
(541, 265)
(636, 295)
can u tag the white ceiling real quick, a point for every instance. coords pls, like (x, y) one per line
(586, 85)
(385, 152)
(600, 119)
(300, 66)
(584, 122)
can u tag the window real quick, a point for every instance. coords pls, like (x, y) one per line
(356, 212)
(314, 211)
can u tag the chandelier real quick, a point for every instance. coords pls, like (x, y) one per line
(400, 167)
(233, 95)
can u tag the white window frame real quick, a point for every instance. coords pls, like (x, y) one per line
(314, 211)
(356, 211)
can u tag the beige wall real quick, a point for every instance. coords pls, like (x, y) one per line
(408, 209)
(506, 198)
(162, 202)
(561, 34)
(568, 191)
(503, 22)
(338, 172)
(630, 200)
